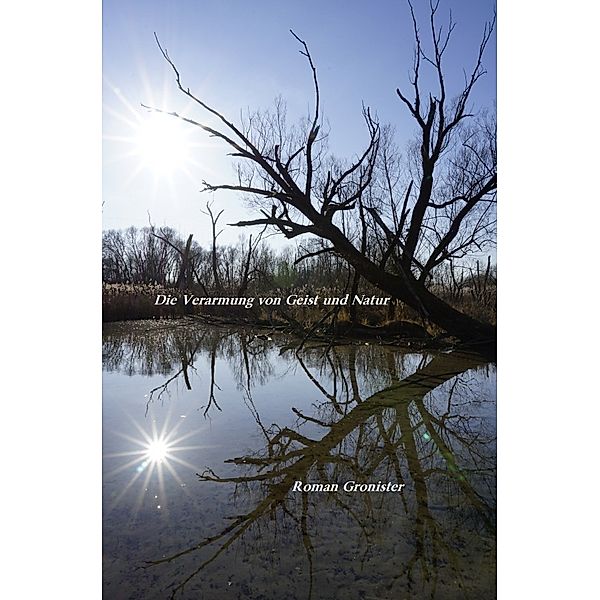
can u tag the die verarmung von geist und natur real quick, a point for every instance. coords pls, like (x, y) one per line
(291, 300)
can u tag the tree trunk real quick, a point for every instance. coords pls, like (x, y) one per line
(183, 281)
(353, 291)
(408, 289)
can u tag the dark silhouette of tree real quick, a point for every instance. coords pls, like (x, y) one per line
(442, 214)
(214, 219)
(365, 439)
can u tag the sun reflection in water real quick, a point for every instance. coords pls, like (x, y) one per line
(155, 457)
(158, 450)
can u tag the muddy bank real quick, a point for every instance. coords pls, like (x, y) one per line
(373, 324)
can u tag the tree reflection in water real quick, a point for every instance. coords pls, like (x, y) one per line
(383, 415)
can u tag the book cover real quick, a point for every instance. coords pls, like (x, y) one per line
(299, 300)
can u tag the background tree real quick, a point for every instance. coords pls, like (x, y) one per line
(442, 214)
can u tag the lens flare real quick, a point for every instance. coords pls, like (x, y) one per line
(162, 143)
(157, 451)
(156, 456)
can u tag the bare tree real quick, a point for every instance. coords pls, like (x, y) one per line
(364, 438)
(187, 268)
(246, 273)
(134, 256)
(298, 192)
(215, 234)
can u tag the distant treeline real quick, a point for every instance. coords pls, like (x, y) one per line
(157, 256)
(142, 262)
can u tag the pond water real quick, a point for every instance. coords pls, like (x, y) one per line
(206, 431)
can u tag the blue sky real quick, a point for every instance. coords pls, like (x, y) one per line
(238, 55)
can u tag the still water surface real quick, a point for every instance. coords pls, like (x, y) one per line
(206, 430)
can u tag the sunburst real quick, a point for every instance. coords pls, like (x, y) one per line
(156, 143)
(154, 455)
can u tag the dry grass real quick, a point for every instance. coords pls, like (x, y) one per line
(128, 302)
(131, 302)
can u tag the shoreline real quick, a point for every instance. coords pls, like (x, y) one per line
(376, 335)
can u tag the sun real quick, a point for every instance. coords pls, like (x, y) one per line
(157, 450)
(153, 456)
(162, 143)
(153, 145)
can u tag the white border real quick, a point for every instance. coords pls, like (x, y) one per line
(50, 444)
(548, 220)
(51, 203)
